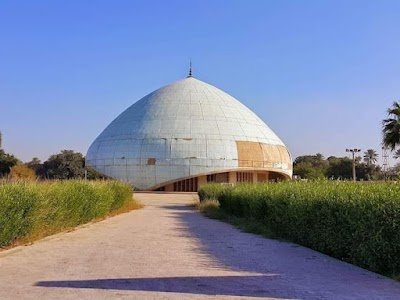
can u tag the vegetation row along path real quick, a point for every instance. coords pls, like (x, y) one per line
(167, 250)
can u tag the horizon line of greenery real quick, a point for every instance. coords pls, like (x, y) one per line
(317, 167)
(67, 164)
(339, 168)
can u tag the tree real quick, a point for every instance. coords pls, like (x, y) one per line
(92, 174)
(339, 168)
(316, 167)
(65, 165)
(396, 154)
(307, 171)
(310, 166)
(1, 140)
(7, 161)
(391, 127)
(368, 172)
(370, 157)
(35, 164)
(316, 160)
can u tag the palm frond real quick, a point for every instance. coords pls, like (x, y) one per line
(391, 127)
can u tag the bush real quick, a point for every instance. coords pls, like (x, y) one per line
(18, 202)
(355, 222)
(43, 208)
(22, 172)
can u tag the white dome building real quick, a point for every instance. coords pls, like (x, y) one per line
(186, 134)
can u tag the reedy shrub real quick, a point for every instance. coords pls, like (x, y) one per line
(48, 207)
(18, 203)
(355, 222)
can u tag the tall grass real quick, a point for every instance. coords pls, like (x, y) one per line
(30, 210)
(358, 223)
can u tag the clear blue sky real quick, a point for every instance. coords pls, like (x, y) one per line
(320, 73)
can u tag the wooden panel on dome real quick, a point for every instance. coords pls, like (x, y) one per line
(248, 153)
(285, 156)
(261, 155)
(258, 164)
(271, 153)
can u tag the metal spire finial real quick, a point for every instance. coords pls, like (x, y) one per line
(190, 69)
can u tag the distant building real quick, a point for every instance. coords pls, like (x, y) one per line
(186, 134)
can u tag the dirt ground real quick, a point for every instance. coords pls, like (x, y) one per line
(167, 250)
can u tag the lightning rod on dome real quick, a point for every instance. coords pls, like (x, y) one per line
(190, 69)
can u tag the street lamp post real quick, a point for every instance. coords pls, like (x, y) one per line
(353, 151)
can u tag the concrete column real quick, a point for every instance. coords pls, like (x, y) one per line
(232, 177)
(169, 187)
(201, 180)
(255, 178)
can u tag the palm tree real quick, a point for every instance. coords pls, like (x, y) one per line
(396, 154)
(370, 156)
(391, 127)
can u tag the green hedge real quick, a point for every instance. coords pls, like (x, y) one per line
(355, 222)
(29, 208)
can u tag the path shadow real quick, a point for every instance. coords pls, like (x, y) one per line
(275, 269)
(299, 270)
(238, 252)
(219, 285)
(191, 224)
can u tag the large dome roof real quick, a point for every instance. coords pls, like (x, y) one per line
(182, 130)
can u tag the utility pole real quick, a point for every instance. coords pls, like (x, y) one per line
(353, 151)
(385, 163)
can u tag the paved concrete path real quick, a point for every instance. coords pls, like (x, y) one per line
(169, 251)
